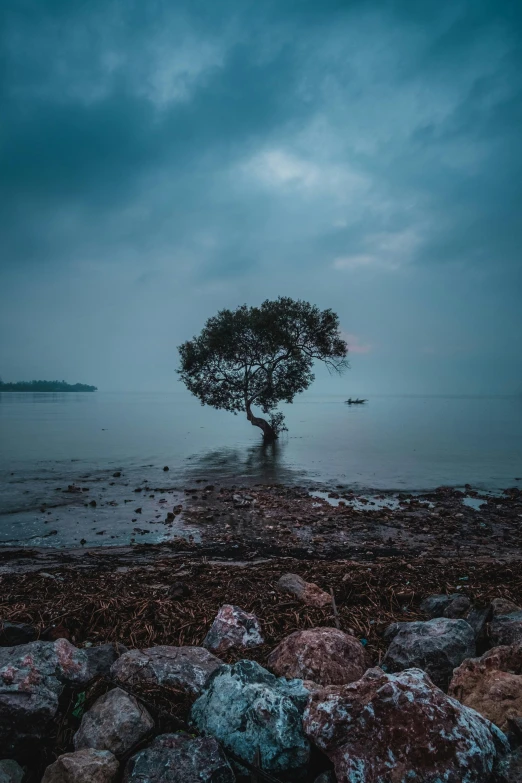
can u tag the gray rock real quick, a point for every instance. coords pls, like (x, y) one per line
(504, 606)
(246, 708)
(115, 722)
(515, 729)
(435, 605)
(325, 777)
(102, 657)
(233, 628)
(32, 678)
(10, 772)
(297, 690)
(510, 769)
(180, 758)
(185, 668)
(506, 629)
(458, 608)
(12, 634)
(478, 618)
(437, 646)
(84, 766)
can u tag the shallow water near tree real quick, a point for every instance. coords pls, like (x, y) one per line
(391, 443)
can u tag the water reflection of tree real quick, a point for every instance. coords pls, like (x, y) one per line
(263, 461)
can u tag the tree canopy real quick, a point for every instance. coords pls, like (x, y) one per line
(261, 356)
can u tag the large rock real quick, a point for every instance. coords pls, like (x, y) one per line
(478, 617)
(324, 655)
(503, 606)
(246, 708)
(492, 684)
(84, 766)
(180, 758)
(506, 626)
(233, 628)
(401, 729)
(435, 605)
(510, 769)
(307, 592)
(102, 657)
(437, 646)
(32, 678)
(10, 772)
(115, 722)
(12, 634)
(458, 608)
(185, 668)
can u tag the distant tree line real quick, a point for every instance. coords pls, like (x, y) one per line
(46, 386)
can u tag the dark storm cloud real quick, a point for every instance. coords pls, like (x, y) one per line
(82, 125)
(225, 151)
(95, 154)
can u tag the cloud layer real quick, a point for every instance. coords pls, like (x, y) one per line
(159, 161)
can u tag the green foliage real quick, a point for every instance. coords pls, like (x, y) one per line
(46, 386)
(261, 356)
(79, 707)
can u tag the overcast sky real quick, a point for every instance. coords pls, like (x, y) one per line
(162, 160)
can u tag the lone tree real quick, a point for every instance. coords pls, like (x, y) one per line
(260, 356)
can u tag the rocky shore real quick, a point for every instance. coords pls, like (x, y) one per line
(249, 520)
(278, 633)
(182, 668)
(312, 522)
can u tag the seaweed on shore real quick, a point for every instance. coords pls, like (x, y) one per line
(144, 606)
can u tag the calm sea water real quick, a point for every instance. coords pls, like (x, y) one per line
(389, 443)
(48, 441)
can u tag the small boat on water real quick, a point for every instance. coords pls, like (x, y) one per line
(355, 402)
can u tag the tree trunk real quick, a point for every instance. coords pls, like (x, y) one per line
(268, 432)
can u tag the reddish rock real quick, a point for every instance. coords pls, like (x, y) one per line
(32, 678)
(233, 628)
(402, 729)
(185, 668)
(324, 655)
(307, 592)
(84, 766)
(55, 632)
(115, 722)
(492, 684)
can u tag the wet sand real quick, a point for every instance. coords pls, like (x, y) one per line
(261, 521)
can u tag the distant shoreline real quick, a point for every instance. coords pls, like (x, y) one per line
(46, 386)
